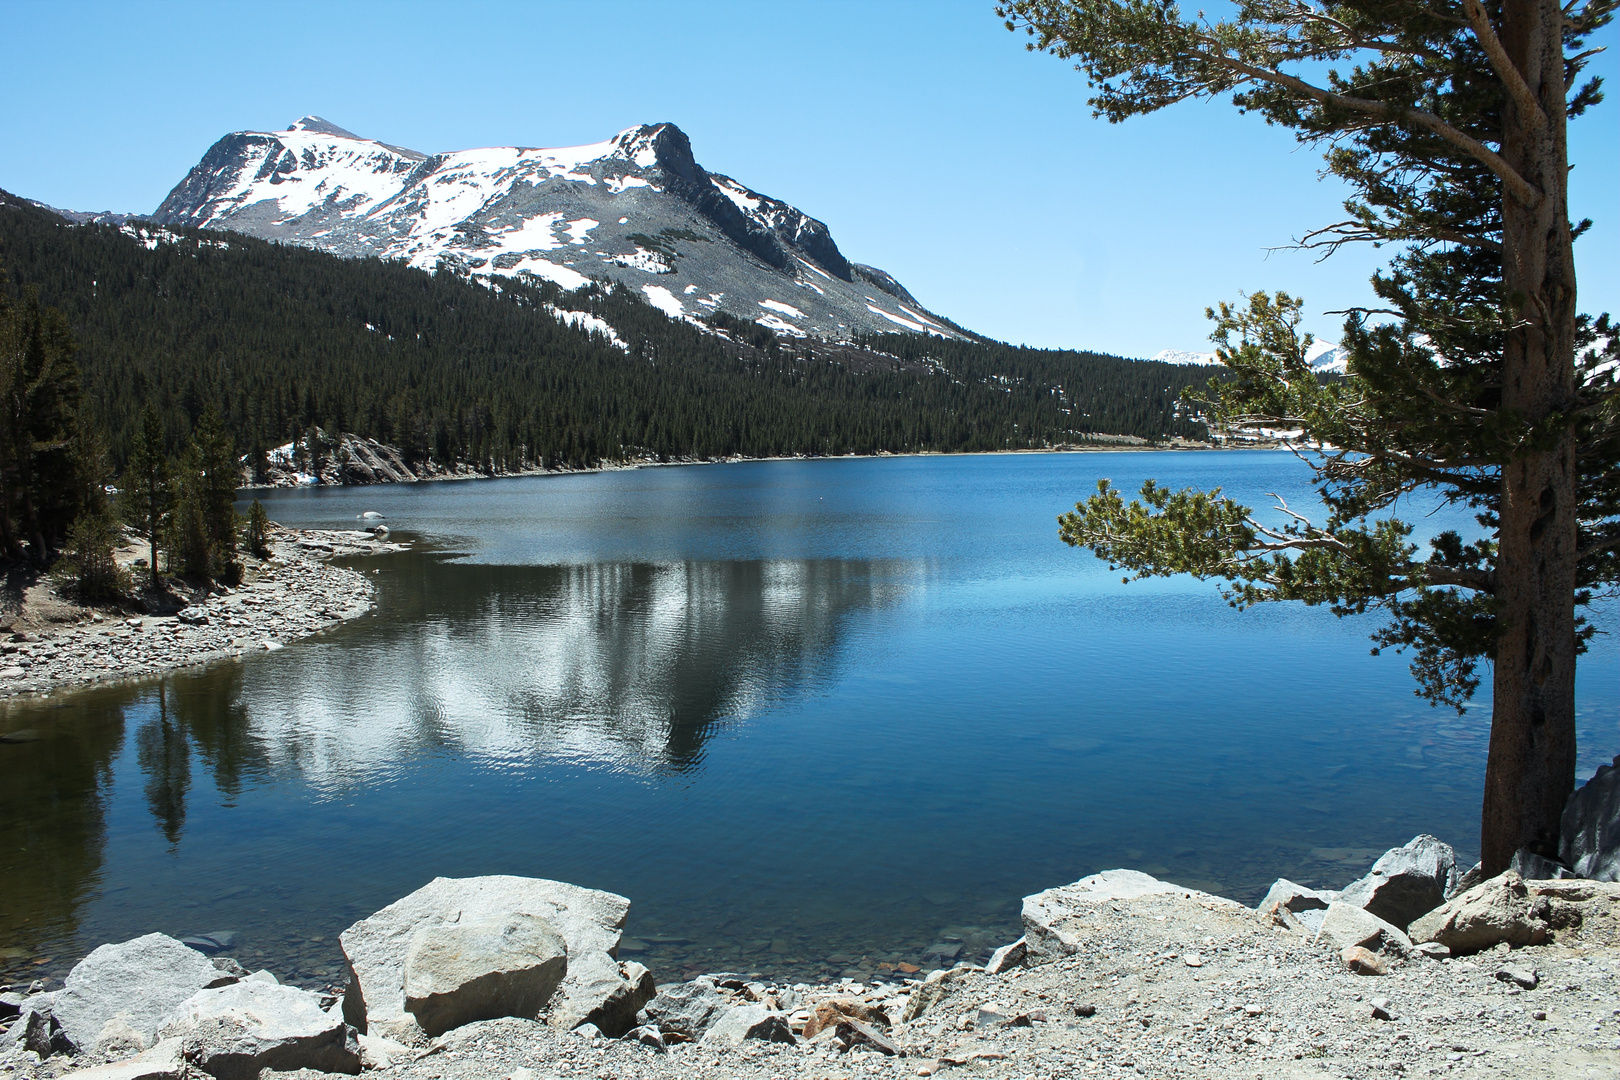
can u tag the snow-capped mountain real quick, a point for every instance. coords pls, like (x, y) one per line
(637, 208)
(1322, 356)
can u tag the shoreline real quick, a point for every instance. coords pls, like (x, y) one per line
(1118, 976)
(61, 645)
(448, 477)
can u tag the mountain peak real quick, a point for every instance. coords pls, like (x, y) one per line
(663, 145)
(325, 127)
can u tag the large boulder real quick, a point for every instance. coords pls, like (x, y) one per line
(233, 1032)
(1407, 881)
(1347, 925)
(1589, 840)
(689, 1008)
(138, 982)
(466, 971)
(1490, 913)
(589, 921)
(1055, 920)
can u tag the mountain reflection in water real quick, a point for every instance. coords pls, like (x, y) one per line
(625, 665)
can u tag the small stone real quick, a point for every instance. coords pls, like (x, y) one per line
(1434, 950)
(1520, 975)
(1538, 1015)
(1085, 1010)
(1193, 960)
(1363, 961)
(1006, 957)
(991, 1013)
(1380, 1009)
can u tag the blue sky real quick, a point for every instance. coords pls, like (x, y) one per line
(920, 131)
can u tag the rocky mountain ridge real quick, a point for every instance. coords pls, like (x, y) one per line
(636, 208)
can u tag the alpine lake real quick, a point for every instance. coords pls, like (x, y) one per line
(814, 718)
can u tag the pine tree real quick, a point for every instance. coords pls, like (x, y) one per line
(1448, 124)
(41, 480)
(256, 531)
(146, 483)
(206, 525)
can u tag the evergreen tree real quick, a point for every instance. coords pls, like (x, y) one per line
(205, 514)
(41, 481)
(146, 483)
(1449, 125)
(256, 531)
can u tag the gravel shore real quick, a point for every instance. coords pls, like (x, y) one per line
(1189, 985)
(1182, 985)
(292, 594)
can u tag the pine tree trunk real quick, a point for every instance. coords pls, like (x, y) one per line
(1531, 769)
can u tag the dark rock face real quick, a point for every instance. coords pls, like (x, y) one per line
(1590, 840)
(638, 209)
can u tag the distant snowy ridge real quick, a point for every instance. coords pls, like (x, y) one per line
(1322, 356)
(1178, 356)
(636, 208)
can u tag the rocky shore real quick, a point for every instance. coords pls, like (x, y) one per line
(48, 643)
(1415, 969)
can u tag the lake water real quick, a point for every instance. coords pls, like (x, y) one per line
(811, 717)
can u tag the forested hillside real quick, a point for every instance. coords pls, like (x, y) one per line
(281, 339)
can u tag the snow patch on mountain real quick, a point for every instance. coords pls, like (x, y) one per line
(584, 320)
(664, 300)
(785, 309)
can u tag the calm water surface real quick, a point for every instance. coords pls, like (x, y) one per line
(811, 717)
